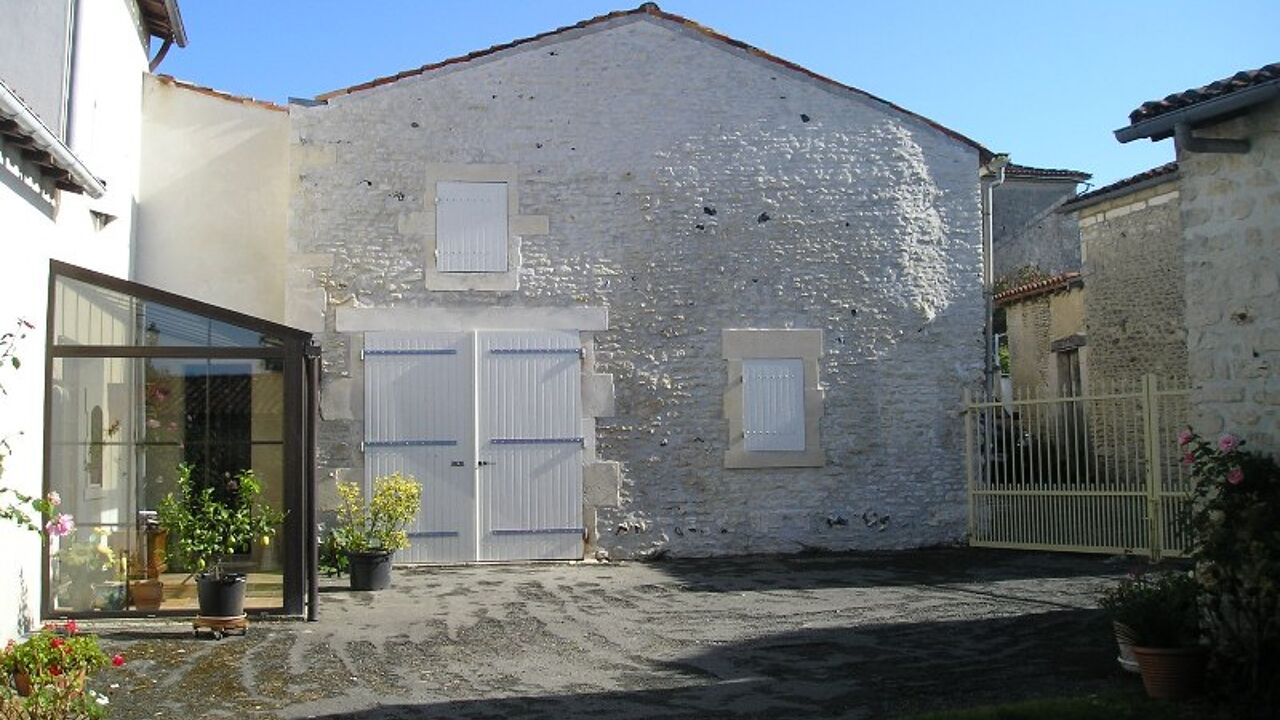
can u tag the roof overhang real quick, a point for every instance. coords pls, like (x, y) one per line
(1162, 126)
(21, 127)
(163, 19)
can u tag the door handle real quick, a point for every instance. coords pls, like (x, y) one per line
(482, 463)
(457, 463)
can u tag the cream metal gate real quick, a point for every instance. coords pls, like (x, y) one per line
(490, 424)
(1094, 472)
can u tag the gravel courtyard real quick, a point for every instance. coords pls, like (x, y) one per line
(852, 635)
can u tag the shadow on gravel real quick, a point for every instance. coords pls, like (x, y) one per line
(878, 569)
(128, 635)
(863, 672)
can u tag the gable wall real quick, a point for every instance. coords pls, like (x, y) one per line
(621, 138)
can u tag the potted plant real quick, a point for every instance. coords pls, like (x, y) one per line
(211, 523)
(88, 573)
(371, 532)
(1119, 601)
(48, 673)
(1162, 614)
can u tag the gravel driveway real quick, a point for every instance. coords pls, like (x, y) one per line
(851, 635)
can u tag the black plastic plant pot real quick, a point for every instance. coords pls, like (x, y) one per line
(370, 570)
(221, 597)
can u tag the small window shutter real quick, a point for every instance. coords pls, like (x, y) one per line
(471, 227)
(773, 404)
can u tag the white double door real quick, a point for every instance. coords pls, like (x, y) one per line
(490, 423)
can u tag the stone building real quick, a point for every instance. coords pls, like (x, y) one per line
(1045, 322)
(1131, 246)
(1227, 138)
(1028, 234)
(773, 282)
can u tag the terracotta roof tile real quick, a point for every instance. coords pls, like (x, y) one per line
(1039, 287)
(242, 99)
(1112, 189)
(1240, 81)
(652, 9)
(1026, 171)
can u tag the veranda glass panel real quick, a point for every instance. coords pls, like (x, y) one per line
(86, 314)
(120, 428)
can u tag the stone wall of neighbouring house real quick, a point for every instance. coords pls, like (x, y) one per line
(689, 187)
(1028, 232)
(1033, 324)
(1230, 207)
(1134, 307)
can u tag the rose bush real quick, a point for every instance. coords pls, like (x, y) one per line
(1235, 523)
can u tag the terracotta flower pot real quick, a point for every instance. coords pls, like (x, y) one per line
(147, 594)
(1172, 673)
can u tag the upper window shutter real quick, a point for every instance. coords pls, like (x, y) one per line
(471, 227)
(773, 404)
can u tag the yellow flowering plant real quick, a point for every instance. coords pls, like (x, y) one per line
(381, 524)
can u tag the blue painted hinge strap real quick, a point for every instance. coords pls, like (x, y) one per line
(540, 531)
(537, 441)
(443, 351)
(537, 351)
(410, 443)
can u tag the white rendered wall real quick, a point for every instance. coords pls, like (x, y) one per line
(214, 198)
(105, 117)
(823, 210)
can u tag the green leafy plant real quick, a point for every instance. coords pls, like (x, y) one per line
(381, 524)
(1234, 513)
(17, 507)
(333, 556)
(47, 675)
(1159, 608)
(208, 526)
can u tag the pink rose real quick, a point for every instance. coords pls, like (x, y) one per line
(60, 526)
(1235, 476)
(1189, 459)
(1228, 442)
(1185, 435)
(54, 498)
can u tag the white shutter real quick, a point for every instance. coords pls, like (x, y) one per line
(773, 404)
(471, 227)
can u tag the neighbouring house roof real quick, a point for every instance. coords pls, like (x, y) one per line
(1155, 118)
(1039, 287)
(204, 90)
(163, 19)
(1013, 170)
(651, 9)
(1131, 184)
(23, 129)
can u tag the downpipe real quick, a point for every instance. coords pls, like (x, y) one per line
(991, 176)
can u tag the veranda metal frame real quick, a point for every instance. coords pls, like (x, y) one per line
(298, 357)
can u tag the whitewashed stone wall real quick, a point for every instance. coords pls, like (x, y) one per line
(689, 188)
(1230, 206)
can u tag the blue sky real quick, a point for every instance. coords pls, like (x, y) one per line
(1045, 82)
